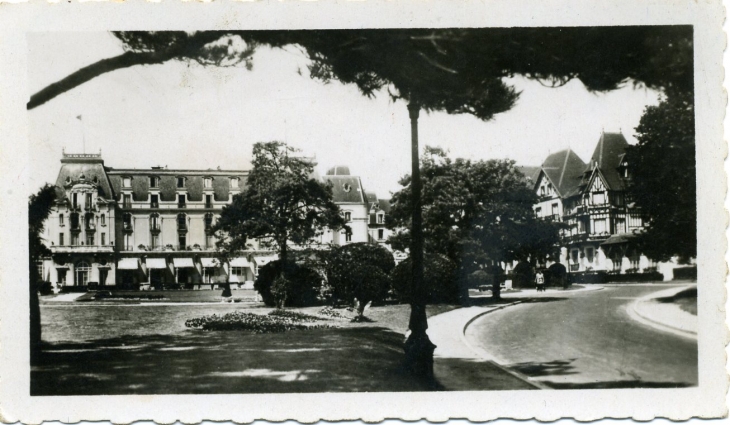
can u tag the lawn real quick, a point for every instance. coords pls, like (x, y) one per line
(686, 300)
(171, 296)
(144, 348)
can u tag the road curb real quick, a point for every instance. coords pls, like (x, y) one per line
(635, 313)
(485, 356)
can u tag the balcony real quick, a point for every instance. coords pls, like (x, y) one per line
(155, 227)
(554, 218)
(62, 249)
(154, 205)
(127, 228)
(181, 205)
(90, 227)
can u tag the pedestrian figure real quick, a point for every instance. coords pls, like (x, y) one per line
(540, 281)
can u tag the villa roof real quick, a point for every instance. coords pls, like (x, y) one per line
(607, 157)
(564, 169)
(346, 189)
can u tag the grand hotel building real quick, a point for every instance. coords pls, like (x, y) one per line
(151, 228)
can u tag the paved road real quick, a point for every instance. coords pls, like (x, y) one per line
(586, 340)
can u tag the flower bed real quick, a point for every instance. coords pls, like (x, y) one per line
(250, 322)
(295, 316)
(331, 312)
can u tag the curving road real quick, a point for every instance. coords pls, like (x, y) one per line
(586, 340)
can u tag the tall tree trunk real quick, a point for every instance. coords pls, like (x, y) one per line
(418, 347)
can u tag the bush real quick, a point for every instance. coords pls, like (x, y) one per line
(45, 287)
(331, 312)
(523, 276)
(301, 288)
(358, 270)
(439, 277)
(255, 323)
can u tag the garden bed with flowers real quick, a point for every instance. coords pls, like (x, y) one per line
(274, 322)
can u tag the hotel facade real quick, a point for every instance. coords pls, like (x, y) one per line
(152, 228)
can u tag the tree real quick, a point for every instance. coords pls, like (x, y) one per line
(281, 204)
(663, 178)
(39, 208)
(476, 213)
(439, 279)
(359, 271)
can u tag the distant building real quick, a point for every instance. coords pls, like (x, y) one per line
(152, 228)
(592, 200)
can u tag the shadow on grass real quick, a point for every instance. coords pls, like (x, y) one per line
(551, 368)
(199, 362)
(686, 300)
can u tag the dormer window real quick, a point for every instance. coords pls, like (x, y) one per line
(181, 182)
(60, 219)
(348, 216)
(181, 201)
(234, 182)
(208, 182)
(95, 179)
(126, 182)
(154, 182)
(380, 218)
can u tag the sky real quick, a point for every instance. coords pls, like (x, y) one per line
(184, 115)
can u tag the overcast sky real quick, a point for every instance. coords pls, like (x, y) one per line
(189, 116)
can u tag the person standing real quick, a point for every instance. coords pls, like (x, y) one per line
(540, 281)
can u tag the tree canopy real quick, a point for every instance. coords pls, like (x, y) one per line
(663, 178)
(39, 208)
(451, 70)
(281, 203)
(474, 212)
(359, 270)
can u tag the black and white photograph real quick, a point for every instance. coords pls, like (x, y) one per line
(498, 211)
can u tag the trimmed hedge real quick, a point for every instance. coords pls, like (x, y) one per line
(604, 277)
(688, 273)
(302, 288)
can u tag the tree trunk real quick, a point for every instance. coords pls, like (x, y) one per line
(418, 347)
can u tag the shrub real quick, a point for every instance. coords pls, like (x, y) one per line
(250, 322)
(439, 277)
(302, 285)
(359, 270)
(331, 312)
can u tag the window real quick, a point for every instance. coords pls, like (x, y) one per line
(238, 271)
(75, 200)
(208, 201)
(182, 242)
(207, 182)
(181, 222)
(39, 266)
(589, 254)
(542, 190)
(181, 201)
(348, 236)
(103, 239)
(103, 219)
(89, 219)
(234, 183)
(154, 201)
(74, 218)
(127, 220)
(89, 204)
(555, 209)
(348, 216)
(380, 234)
(60, 239)
(635, 220)
(89, 239)
(127, 201)
(126, 182)
(620, 225)
(208, 221)
(154, 222)
(74, 239)
(380, 218)
(181, 182)
(154, 182)
(538, 210)
(60, 219)
(599, 198)
(208, 241)
(154, 241)
(599, 226)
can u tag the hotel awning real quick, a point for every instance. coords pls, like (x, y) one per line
(182, 263)
(128, 264)
(209, 262)
(240, 262)
(262, 261)
(156, 263)
(59, 266)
